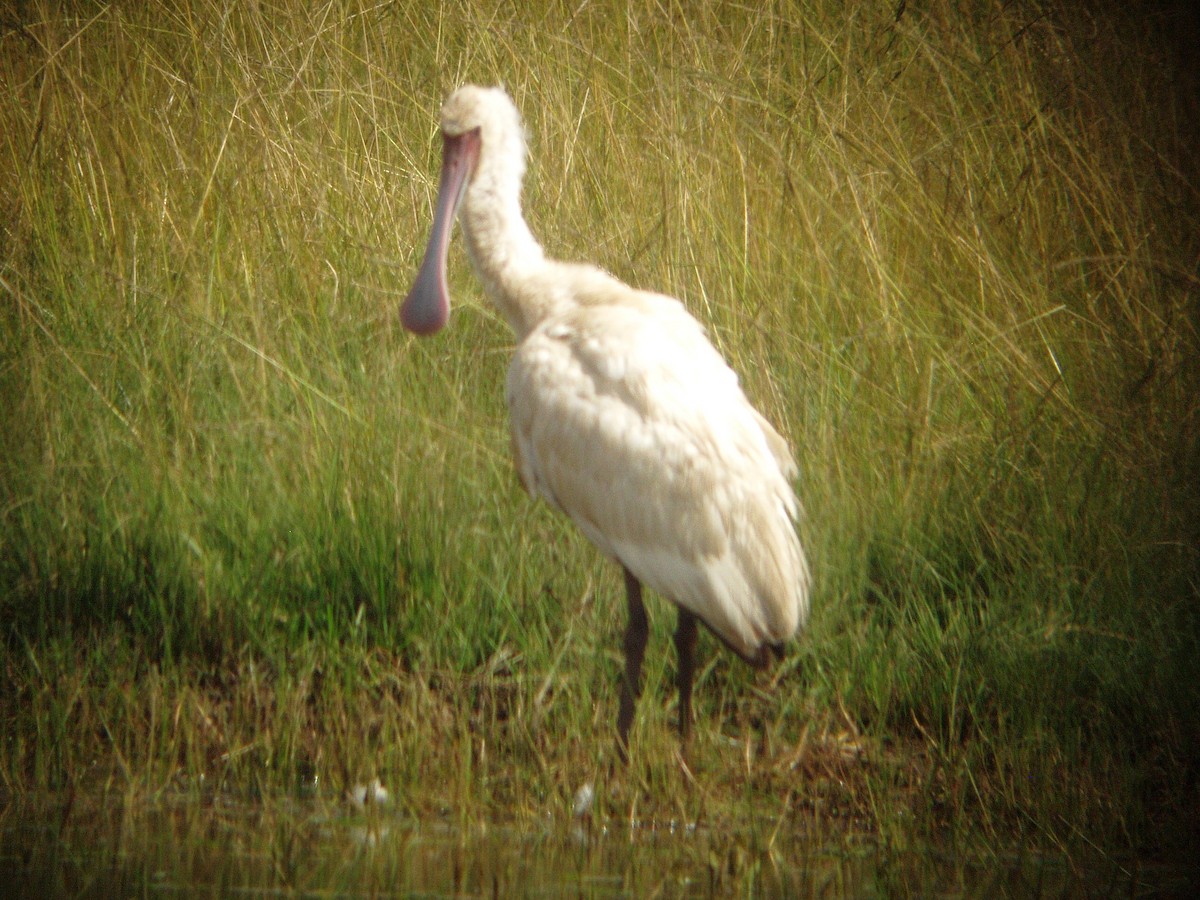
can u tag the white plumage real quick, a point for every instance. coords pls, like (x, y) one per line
(624, 416)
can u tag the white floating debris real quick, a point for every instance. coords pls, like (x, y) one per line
(374, 793)
(584, 798)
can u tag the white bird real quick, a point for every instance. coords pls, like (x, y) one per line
(623, 416)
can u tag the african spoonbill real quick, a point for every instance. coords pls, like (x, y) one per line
(623, 416)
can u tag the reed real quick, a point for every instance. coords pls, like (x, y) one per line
(252, 534)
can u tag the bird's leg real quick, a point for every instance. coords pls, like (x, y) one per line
(685, 648)
(636, 634)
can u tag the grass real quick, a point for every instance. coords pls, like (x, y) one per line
(252, 533)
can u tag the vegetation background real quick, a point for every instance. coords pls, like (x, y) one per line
(252, 535)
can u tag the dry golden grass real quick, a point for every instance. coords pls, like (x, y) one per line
(252, 532)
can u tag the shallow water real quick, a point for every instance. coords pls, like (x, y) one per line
(221, 846)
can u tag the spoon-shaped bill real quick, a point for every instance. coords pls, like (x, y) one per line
(427, 306)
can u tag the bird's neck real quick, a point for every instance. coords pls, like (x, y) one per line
(506, 256)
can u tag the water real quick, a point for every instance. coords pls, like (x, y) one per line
(221, 846)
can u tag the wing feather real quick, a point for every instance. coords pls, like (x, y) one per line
(627, 419)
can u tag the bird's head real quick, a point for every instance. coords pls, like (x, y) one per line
(475, 121)
(488, 110)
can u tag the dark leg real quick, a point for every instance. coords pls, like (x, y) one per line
(636, 634)
(685, 647)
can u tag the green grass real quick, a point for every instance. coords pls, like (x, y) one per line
(251, 531)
